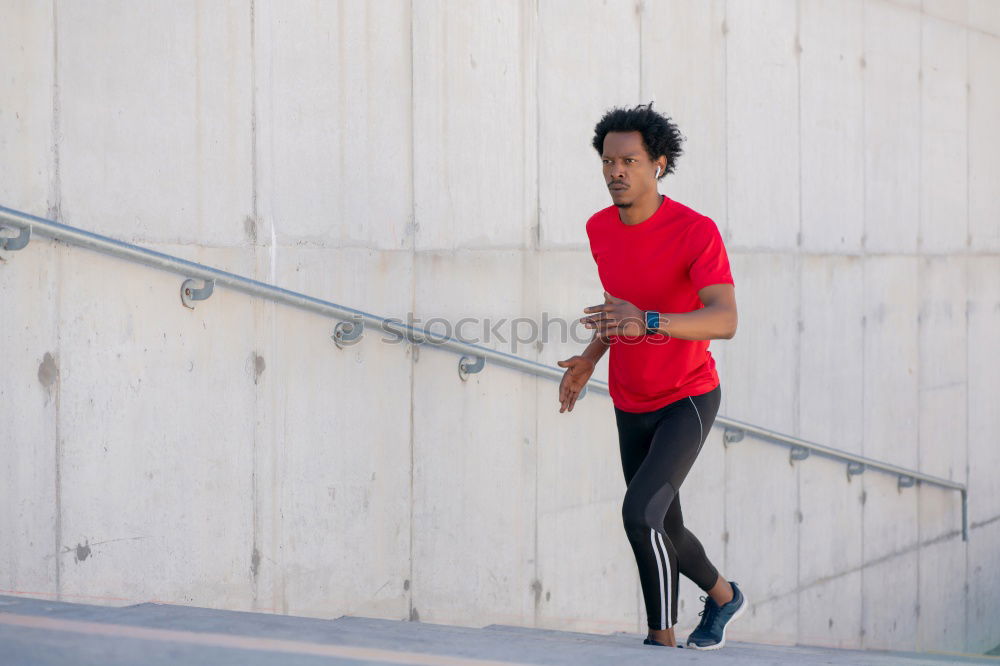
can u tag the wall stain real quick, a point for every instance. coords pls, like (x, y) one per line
(258, 367)
(536, 587)
(82, 552)
(414, 615)
(255, 562)
(48, 371)
(250, 229)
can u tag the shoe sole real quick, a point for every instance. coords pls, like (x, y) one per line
(721, 644)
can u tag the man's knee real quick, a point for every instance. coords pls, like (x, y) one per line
(642, 511)
(634, 514)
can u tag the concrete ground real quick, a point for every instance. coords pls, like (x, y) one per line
(35, 631)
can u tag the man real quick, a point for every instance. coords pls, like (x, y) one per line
(668, 291)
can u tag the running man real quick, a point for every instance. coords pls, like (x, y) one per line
(668, 291)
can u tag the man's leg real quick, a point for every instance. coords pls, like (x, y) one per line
(725, 601)
(676, 442)
(635, 436)
(692, 561)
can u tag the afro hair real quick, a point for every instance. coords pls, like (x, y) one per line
(659, 134)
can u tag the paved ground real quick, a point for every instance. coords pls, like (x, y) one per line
(34, 631)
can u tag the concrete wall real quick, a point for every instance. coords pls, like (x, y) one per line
(433, 157)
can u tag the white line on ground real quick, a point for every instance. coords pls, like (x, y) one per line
(243, 642)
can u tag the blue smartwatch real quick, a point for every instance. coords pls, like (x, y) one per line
(652, 322)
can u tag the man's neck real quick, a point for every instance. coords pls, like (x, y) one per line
(640, 211)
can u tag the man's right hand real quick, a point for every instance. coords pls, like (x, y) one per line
(578, 371)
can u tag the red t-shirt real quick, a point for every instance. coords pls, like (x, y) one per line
(659, 264)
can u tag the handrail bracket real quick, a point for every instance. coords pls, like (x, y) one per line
(732, 435)
(468, 365)
(18, 242)
(797, 453)
(348, 332)
(191, 292)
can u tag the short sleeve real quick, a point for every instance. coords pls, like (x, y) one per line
(709, 261)
(590, 239)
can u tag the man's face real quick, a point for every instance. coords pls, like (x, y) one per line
(628, 171)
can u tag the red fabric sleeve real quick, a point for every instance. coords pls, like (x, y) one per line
(710, 263)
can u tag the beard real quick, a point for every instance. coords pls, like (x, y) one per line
(627, 204)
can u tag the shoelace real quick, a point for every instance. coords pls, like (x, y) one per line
(708, 614)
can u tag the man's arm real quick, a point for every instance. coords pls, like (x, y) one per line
(596, 349)
(578, 371)
(717, 320)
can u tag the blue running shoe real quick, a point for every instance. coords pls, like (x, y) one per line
(711, 631)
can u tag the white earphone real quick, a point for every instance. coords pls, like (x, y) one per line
(657, 172)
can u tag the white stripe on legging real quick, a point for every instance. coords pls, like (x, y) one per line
(670, 580)
(664, 589)
(701, 426)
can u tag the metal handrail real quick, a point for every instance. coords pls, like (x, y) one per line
(473, 356)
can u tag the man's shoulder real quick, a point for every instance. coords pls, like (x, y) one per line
(601, 217)
(692, 219)
(686, 212)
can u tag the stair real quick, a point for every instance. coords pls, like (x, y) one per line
(40, 632)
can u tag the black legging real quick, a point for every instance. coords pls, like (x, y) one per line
(658, 449)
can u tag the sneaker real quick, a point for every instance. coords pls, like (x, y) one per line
(650, 641)
(711, 631)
